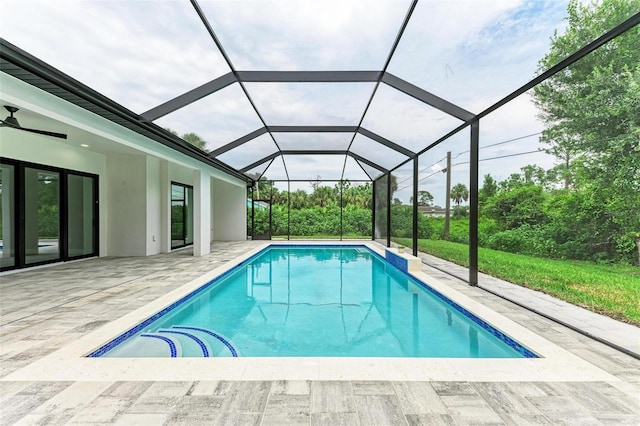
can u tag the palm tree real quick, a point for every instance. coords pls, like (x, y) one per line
(195, 140)
(459, 193)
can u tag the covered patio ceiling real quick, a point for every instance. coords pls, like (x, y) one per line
(285, 90)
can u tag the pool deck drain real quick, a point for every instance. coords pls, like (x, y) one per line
(48, 311)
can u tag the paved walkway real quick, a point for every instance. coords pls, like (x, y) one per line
(43, 310)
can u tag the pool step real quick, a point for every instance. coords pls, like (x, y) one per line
(191, 344)
(219, 345)
(173, 345)
(180, 341)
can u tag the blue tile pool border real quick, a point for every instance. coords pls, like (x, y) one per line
(506, 339)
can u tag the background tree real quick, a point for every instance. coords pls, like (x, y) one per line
(591, 112)
(459, 193)
(489, 188)
(191, 138)
(324, 196)
(315, 182)
(425, 198)
(195, 140)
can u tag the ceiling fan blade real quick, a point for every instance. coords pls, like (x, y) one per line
(40, 132)
(44, 132)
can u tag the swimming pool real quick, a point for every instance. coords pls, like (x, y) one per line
(321, 301)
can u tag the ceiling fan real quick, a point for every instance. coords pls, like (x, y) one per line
(12, 122)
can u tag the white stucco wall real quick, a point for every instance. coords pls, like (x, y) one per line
(154, 205)
(127, 197)
(229, 211)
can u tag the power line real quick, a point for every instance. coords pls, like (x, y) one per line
(467, 162)
(482, 147)
(420, 180)
(502, 142)
(501, 156)
(423, 169)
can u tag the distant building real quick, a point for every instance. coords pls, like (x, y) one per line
(432, 211)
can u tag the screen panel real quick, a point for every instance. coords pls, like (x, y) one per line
(474, 53)
(405, 120)
(377, 153)
(319, 104)
(353, 171)
(249, 152)
(276, 170)
(372, 172)
(137, 53)
(219, 118)
(313, 141)
(315, 167)
(307, 35)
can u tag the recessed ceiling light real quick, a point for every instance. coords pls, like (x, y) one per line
(84, 145)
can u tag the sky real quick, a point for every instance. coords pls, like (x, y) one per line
(471, 53)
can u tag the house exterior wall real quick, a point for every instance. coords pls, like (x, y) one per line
(134, 174)
(127, 205)
(229, 211)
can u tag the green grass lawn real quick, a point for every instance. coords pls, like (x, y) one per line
(612, 290)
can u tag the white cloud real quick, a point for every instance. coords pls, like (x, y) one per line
(138, 53)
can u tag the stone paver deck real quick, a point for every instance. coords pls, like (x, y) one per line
(43, 310)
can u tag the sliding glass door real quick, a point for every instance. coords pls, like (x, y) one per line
(181, 215)
(48, 214)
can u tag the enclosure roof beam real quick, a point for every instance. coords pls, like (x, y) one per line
(189, 97)
(313, 152)
(259, 162)
(386, 142)
(308, 76)
(280, 129)
(426, 97)
(367, 162)
(240, 141)
(313, 129)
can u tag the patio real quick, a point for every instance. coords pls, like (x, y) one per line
(47, 309)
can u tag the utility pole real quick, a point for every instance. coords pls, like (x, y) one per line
(448, 196)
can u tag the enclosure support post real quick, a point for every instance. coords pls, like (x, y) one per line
(270, 210)
(253, 213)
(373, 211)
(288, 210)
(341, 229)
(473, 202)
(415, 206)
(447, 214)
(389, 209)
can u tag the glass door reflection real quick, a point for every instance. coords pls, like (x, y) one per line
(81, 199)
(41, 215)
(7, 216)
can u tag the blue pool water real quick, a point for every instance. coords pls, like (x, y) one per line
(340, 301)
